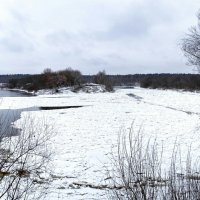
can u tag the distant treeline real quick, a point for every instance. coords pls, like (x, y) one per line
(8, 77)
(69, 77)
(171, 81)
(165, 81)
(47, 80)
(55, 79)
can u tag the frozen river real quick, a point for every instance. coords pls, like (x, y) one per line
(9, 116)
(86, 137)
(7, 93)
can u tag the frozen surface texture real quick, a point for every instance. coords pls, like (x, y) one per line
(86, 136)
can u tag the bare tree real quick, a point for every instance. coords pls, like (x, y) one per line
(103, 79)
(24, 160)
(191, 45)
(139, 173)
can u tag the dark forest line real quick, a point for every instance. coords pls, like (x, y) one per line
(74, 77)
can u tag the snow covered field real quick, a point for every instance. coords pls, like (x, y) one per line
(86, 136)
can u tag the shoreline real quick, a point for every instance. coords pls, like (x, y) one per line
(24, 92)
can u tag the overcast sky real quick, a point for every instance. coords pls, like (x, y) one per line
(120, 36)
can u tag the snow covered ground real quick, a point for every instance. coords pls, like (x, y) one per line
(86, 136)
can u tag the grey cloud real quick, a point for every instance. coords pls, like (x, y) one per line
(15, 43)
(69, 44)
(134, 26)
(58, 38)
(99, 63)
(21, 18)
(15, 37)
(137, 21)
(119, 36)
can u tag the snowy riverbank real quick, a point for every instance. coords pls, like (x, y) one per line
(86, 136)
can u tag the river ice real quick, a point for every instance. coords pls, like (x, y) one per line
(86, 136)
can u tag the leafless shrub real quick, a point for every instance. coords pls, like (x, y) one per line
(139, 172)
(103, 79)
(24, 159)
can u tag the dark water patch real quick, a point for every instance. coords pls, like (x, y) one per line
(58, 107)
(11, 93)
(9, 116)
(125, 87)
(7, 119)
(60, 97)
